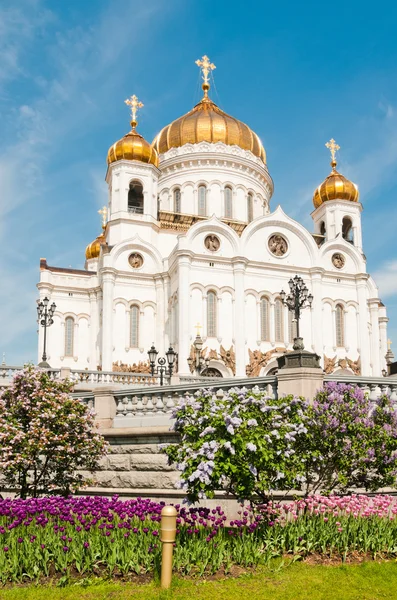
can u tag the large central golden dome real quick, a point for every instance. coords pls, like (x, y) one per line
(206, 122)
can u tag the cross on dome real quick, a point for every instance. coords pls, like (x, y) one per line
(134, 103)
(389, 343)
(206, 67)
(104, 214)
(198, 329)
(333, 148)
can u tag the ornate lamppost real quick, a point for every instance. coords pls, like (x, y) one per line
(161, 369)
(198, 361)
(44, 318)
(298, 299)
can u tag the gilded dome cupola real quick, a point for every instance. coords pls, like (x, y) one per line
(93, 250)
(336, 186)
(133, 145)
(206, 122)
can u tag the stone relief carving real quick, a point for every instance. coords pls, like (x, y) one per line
(212, 243)
(228, 357)
(141, 367)
(278, 245)
(218, 147)
(135, 260)
(258, 360)
(338, 260)
(332, 364)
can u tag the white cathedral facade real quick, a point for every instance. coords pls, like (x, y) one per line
(189, 236)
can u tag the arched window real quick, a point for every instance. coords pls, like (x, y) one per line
(250, 208)
(211, 315)
(135, 198)
(279, 320)
(202, 201)
(177, 200)
(347, 229)
(69, 336)
(134, 326)
(340, 325)
(322, 228)
(291, 326)
(265, 306)
(228, 203)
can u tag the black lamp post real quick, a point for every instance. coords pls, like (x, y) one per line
(198, 361)
(44, 318)
(298, 299)
(161, 369)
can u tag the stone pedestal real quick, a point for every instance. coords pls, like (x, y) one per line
(299, 373)
(105, 407)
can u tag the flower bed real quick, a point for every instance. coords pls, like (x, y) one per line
(95, 535)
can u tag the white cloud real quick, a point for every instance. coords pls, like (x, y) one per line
(386, 278)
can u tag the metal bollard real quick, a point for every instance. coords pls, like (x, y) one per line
(167, 537)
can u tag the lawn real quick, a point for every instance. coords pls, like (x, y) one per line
(367, 581)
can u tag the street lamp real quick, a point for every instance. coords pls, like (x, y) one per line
(44, 318)
(298, 299)
(161, 369)
(198, 361)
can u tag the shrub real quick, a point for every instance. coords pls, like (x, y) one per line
(45, 436)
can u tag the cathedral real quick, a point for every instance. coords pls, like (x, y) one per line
(189, 237)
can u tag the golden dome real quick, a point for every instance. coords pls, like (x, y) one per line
(133, 146)
(206, 122)
(335, 186)
(93, 249)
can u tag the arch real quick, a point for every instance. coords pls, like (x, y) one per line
(202, 200)
(212, 325)
(137, 244)
(265, 318)
(279, 320)
(340, 325)
(228, 202)
(347, 229)
(69, 336)
(211, 372)
(250, 207)
(135, 197)
(212, 225)
(177, 200)
(134, 325)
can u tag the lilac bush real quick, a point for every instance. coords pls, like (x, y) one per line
(46, 437)
(351, 441)
(242, 442)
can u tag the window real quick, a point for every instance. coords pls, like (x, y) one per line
(291, 326)
(250, 208)
(265, 334)
(202, 201)
(322, 228)
(228, 203)
(279, 320)
(177, 200)
(69, 336)
(211, 315)
(347, 229)
(134, 326)
(135, 198)
(340, 325)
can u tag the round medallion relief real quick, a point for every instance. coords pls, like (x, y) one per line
(278, 245)
(212, 243)
(338, 260)
(135, 260)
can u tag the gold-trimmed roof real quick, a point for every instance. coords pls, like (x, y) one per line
(206, 122)
(336, 186)
(93, 249)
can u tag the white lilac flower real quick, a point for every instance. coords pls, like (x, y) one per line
(207, 430)
(229, 447)
(251, 447)
(252, 423)
(253, 470)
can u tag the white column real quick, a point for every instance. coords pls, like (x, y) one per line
(94, 331)
(160, 320)
(317, 315)
(383, 341)
(76, 344)
(272, 325)
(363, 333)
(183, 314)
(375, 337)
(239, 325)
(107, 320)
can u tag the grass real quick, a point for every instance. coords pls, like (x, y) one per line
(367, 581)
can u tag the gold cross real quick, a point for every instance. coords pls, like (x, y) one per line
(135, 105)
(198, 328)
(206, 66)
(389, 343)
(104, 214)
(333, 148)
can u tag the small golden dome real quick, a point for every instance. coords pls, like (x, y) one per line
(133, 145)
(206, 122)
(93, 249)
(335, 186)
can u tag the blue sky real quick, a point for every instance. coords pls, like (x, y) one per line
(297, 73)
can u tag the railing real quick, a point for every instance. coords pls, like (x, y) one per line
(7, 373)
(112, 377)
(138, 210)
(374, 386)
(151, 407)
